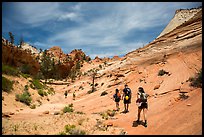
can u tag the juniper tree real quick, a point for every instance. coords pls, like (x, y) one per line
(11, 36)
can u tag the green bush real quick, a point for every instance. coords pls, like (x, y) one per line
(42, 93)
(25, 98)
(197, 81)
(51, 91)
(7, 85)
(104, 93)
(72, 130)
(25, 75)
(9, 70)
(25, 69)
(162, 72)
(33, 106)
(26, 88)
(37, 85)
(69, 127)
(68, 108)
(62, 133)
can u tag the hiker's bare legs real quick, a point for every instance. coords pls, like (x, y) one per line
(145, 114)
(138, 114)
(125, 107)
(117, 105)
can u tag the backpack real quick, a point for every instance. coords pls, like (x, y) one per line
(117, 97)
(143, 97)
(127, 92)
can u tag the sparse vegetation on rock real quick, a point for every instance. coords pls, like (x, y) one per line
(197, 80)
(68, 108)
(25, 98)
(162, 72)
(7, 85)
(9, 70)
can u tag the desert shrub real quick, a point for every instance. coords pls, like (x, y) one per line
(72, 130)
(26, 88)
(68, 108)
(37, 85)
(104, 115)
(51, 91)
(69, 127)
(62, 133)
(25, 75)
(9, 70)
(33, 106)
(25, 98)
(25, 68)
(102, 84)
(7, 85)
(104, 93)
(197, 80)
(183, 96)
(162, 72)
(42, 93)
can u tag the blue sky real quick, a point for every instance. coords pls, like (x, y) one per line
(101, 29)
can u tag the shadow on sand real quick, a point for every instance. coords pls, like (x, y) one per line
(135, 123)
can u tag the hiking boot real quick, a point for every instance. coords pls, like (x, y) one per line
(145, 124)
(138, 121)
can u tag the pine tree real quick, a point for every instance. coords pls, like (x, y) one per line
(11, 37)
(21, 42)
(46, 66)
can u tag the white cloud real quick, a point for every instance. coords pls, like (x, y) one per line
(36, 13)
(100, 25)
(71, 16)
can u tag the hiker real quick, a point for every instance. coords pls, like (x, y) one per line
(74, 95)
(117, 98)
(142, 104)
(65, 94)
(127, 97)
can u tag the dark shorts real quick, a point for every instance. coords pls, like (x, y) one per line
(127, 101)
(143, 105)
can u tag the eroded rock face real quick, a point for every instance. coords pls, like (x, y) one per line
(26, 46)
(180, 17)
(17, 57)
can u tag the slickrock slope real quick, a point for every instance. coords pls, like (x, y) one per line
(180, 17)
(174, 107)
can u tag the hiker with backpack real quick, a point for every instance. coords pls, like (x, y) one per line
(142, 104)
(65, 94)
(127, 97)
(74, 95)
(117, 98)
